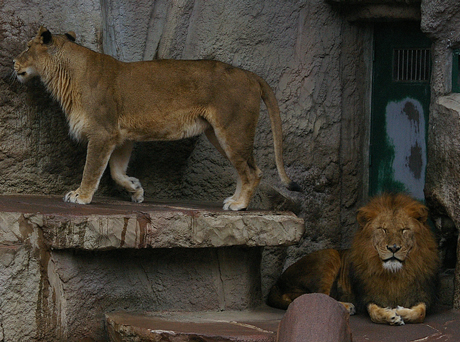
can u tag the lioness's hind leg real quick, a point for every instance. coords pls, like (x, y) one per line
(249, 176)
(118, 166)
(215, 142)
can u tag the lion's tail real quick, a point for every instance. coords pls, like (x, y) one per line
(274, 113)
(275, 298)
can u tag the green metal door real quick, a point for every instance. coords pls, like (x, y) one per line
(400, 107)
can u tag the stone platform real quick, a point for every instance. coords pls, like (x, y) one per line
(63, 266)
(261, 325)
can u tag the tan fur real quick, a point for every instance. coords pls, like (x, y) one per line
(396, 294)
(111, 104)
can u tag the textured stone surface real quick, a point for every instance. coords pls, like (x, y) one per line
(63, 266)
(315, 317)
(442, 325)
(441, 21)
(108, 224)
(443, 185)
(245, 326)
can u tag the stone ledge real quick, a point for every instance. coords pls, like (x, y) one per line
(246, 326)
(110, 224)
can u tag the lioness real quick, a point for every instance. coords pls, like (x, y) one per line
(111, 104)
(390, 270)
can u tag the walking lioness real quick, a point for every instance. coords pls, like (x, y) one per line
(111, 104)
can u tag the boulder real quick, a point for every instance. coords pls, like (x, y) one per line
(315, 317)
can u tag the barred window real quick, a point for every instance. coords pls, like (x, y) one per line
(411, 65)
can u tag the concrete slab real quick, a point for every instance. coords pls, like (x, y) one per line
(261, 325)
(245, 326)
(443, 325)
(111, 224)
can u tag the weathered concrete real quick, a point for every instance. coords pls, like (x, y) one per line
(442, 325)
(262, 325)
(245, 326)
(109, 224)
(63, 266)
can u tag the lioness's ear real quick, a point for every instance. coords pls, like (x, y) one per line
(71, 36)
(45, 34)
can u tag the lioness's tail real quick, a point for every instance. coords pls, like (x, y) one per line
(274, 113)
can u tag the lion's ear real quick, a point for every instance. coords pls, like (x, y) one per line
(418, 211)
(365, 216)
(45, 34)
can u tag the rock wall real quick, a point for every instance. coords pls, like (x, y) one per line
(312, 57)
(441, 21)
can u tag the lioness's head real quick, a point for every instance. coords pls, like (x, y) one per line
(393, 226)
(36, 57)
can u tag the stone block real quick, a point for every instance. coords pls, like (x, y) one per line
(315, 317)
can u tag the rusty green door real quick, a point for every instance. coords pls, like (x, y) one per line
(400, 107)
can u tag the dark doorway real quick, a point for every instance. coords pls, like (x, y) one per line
(400, 107)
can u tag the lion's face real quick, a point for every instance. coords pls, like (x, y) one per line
(391, 226)
(393, 237)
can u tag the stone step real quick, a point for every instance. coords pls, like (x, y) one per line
(63, 266)
(259, 325)
(110, 224)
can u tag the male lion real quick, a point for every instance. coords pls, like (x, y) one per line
(390, 270)
(111, 104)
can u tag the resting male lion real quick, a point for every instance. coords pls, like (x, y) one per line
(390, 270)
(111, 104)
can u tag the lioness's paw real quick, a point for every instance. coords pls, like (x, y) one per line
(228, 200)
(137, 196)
(234, 205)
(75, 197)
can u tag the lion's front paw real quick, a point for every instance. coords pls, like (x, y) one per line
(75, 197)
(350, 307)
(395, 319)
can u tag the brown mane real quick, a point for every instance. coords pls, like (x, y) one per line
(420, 267)
(389, 272)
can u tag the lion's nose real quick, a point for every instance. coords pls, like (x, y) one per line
(393, 248)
